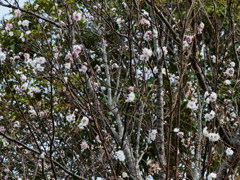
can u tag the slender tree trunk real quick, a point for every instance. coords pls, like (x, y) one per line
(159, 105)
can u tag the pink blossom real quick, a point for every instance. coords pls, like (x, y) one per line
(8, 26)
(77, 16)
(77, 49)
(147, 35)
(84, 145)
(229, 72)
(144, 21)
(17, 13)
(69, 57)
(180, 134)
(189, 39)
(131, 88)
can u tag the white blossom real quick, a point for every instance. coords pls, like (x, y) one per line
(28, 32)
(213, 97)
(229, 72)
(36, 6)
(2, 56)
(39, 68)
(206, 94)
(84, 122)
(210, 115)
(77, 16)
(144, 57)
(10, 33)
(212, 176)
(25, 23)
(213, 137)
(32, 112)
(213, 57)
(67, 65)
(23, 77)
(205, 132)
(165, 51)
(19, 23)
(124, 175)
(70, 117)
(201, 25)
(155, 70)
(40, 60)
(227, 82)
(120, 21)
(120, 155)
(232, 64)
(115, 66)
(176, 130)
(42, 155)
(98, 139)
(26, 56)
(147, 52)
(145, 13)
(152, 135)
(131, 97)
(83, 68)
(192, 105)
(229, 151)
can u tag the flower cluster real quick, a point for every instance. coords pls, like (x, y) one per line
(210, 97)
(36, 63)
(147, 36)
(192, 105)
(120, 155)
(211, 136)
(8, 27)
(229, 72)
(77, 49)
(120, 21)
(146, 54)
(84, 122)
(209, 116)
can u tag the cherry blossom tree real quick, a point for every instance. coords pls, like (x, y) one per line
(136, 89)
